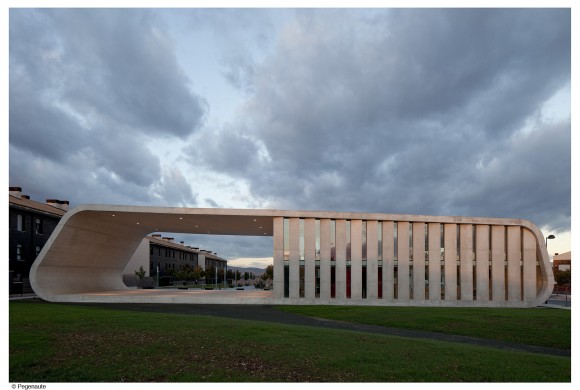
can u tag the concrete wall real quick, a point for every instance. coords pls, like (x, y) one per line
(139, 259)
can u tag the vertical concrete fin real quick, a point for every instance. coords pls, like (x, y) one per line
(450, 234)
(418, 261)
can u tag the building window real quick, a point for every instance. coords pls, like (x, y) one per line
(19, 223)
(37, 226)
(37, 250)
(19, 252)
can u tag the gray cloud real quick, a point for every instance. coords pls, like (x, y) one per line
(231, 150)
(538, 164)
(415, 111)
(394, 111)
(89, 88)
(175, 190)
(241, 34)
(229, 247)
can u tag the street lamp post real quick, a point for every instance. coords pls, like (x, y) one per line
(550, 237)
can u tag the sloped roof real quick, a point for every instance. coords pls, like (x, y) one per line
(564, 256)
(174, 245)
(33, 205)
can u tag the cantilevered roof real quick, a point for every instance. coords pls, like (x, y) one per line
(244, 222)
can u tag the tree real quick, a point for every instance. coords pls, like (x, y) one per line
(140, 273)
(209, 274)
(185, 273)
(198, 273)
(269, 272)
(246, 275)
(562, 277)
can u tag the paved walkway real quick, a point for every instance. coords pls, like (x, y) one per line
(269, 313)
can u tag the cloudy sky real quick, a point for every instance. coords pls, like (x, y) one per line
(418, 111)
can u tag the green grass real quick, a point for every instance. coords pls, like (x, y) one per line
(538, 326)
(64, 343)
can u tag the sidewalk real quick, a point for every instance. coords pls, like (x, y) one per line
(14, 297)
(559, 301)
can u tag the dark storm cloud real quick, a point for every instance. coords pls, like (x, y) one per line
(117, 63)
(88, 90)
(537, 164)
(398, 111)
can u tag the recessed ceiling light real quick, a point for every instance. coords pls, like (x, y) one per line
(137, 223)
(113, 215)
(180, 217)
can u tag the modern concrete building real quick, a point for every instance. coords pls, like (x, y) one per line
(319, 257)
(30, 224)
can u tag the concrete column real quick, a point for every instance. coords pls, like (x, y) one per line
(294, 258)
(340, 271)
(450, 233)
(201, 260)
(141, 258)
(466, 260)
(388, 262)
(482, 262)
(497, 263)
(529, 255)
(278, 281)
(514, 253)
(418, 261)
(403, 285)
(434, 261)
(372, 260)
(356, 259)
(325, 259)
(309, 258)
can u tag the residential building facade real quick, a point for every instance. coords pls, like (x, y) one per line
(30, 224)
(161, 257)
(562, 261)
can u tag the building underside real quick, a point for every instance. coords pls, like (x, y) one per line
(320, 257)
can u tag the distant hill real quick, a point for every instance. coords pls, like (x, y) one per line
(255, 271)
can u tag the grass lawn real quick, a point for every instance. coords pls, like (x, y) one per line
(64, 343)
(538, 326)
